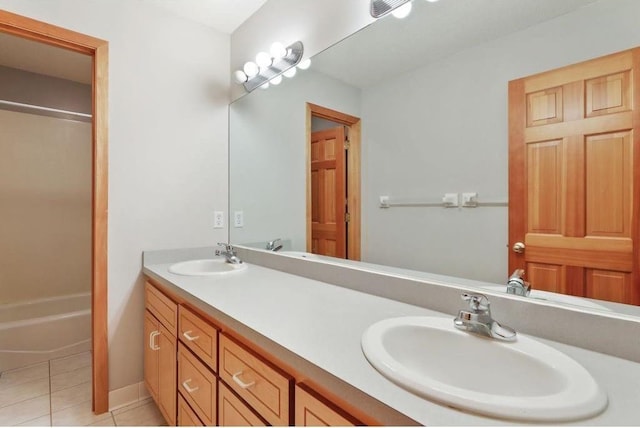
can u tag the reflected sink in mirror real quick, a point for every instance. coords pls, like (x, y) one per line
(206, 267)
(556, 298)
(524, 380)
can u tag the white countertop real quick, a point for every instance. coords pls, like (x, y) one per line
(323, 324)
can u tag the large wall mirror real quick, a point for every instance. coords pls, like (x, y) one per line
(431, 94)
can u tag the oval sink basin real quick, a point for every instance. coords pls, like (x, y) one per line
(206, 267)
(523, 380)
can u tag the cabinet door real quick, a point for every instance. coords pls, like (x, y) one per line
(186, 416)
(313, 410)
(167, 387)
(232, 412)
(151, 337)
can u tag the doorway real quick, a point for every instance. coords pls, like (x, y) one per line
(333, 183)
(98, 50)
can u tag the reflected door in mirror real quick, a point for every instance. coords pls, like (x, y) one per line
(573, 137)
(328, 193)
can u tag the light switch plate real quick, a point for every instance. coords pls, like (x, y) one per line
(450, 200)
(470, 199)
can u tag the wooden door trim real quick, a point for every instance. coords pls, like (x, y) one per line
(353, 167)
(99, 50)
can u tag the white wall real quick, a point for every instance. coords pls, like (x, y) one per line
(443, 128)
(318, 24)
(168, 97)
(45, 214)
(268, 155)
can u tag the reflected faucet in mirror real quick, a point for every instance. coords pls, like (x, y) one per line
(275, 245)
(517, 285)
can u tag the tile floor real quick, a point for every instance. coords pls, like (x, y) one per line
(58, 393)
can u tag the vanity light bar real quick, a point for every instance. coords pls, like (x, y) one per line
(277, 67)
(380, 8)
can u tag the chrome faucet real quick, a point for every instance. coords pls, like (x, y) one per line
(229, 253)
(275, 245)
(517, 285)
(478, 319)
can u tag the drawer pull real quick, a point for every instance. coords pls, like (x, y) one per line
(241, 384)
(188, 388)
(152, 342)
(187, 335)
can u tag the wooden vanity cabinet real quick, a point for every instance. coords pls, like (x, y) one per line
(200, 375)
(160, 322)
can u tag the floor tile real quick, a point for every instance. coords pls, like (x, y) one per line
(23, 391)
(24, 411)
(145, 415)
(71, 396)
(132, 406)
(105, 423)
(67, 364)
(78, 415)
(43, 421)
(69, 379)
(24, 374)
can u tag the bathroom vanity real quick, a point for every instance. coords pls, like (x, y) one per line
(263, 346)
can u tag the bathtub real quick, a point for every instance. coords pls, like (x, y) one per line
(44, 329)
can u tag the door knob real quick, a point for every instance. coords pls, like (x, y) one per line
(518, 247)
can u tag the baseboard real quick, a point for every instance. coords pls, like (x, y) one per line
(127, 395)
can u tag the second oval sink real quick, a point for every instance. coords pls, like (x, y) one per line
(205, 267)
(522, 380)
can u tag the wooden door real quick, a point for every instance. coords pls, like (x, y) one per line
(574, 157)
(328, 193)
(151, 333)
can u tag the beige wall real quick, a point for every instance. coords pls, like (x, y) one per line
(45, 207)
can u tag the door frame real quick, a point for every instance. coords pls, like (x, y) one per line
(98, 49)
(353, 174)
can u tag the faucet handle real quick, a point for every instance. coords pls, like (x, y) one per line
(477, 302)
(226, 246)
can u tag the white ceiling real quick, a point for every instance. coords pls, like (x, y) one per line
(223, 15)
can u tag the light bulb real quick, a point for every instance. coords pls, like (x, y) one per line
(265, 85)
(403, 11)
(276, 80)
(304, 64)
(290, 72)
(239, 76)
(250, 69)
(263, 60)
(278, 51)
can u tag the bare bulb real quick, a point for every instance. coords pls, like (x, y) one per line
(239, 76)
(250, 69)
(290, 72)
(276, 80)
(278, 51)
(403, 11)
(265, 86)
(263, 60)
(304, 64)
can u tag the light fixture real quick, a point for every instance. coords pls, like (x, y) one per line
(304, 64)
(269, 67)
(380, 8)
(290, 72)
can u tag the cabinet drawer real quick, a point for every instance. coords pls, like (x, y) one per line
(197, 384)
(186, 416)
(313, 410)
(163, 308)
(199, 336)
(232, 412)
(266, 389)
